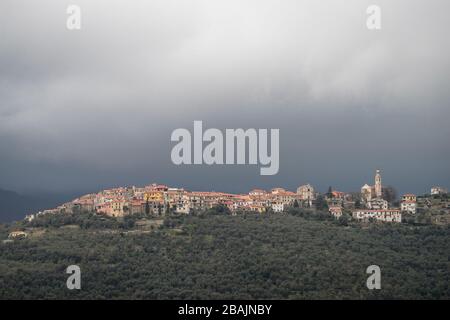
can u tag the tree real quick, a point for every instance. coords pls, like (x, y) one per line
(296, 204)
(330, 192)
(321, 203)
(159, 209)
(423, 218)
(147, 207)
(389, 194)
(219, 209)
(344, 219)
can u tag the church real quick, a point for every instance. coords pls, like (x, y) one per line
(372, 196)
(377, 208)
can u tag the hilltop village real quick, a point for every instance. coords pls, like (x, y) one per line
(373, 203)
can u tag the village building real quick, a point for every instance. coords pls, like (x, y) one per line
(175, 199)
(17, 235)
(277, 207)
(377, 204)
(286, 197)
(137, 206)
(257, 193)
(257, 208)
(306, 194)
(389, 215)
(409, 203)
(372, 192)
(438, 190)
(335, 211)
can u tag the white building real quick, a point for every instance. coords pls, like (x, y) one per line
(408, 207)
(278, 206)
(17, 235)
(438, 190)
(409, 203)
(306, 193)
(366, 193)
(390, 215)
(257, 193)
(377, 204)
(30, 217)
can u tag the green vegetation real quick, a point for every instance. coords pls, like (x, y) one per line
(84, 220)
(432, 209)
(297, 255)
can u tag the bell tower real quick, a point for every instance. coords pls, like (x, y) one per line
(378, 191)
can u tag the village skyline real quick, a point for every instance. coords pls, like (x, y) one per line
(372, 201)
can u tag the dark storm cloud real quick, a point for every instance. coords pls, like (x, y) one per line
(87, 109)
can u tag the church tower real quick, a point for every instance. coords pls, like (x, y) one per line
(378, 191)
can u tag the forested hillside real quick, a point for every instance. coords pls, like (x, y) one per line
(218, 256)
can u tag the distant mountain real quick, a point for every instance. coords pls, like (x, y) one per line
(14, 206)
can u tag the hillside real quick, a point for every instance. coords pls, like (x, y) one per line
(212, 256)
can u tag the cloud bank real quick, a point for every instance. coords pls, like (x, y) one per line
(86, 109)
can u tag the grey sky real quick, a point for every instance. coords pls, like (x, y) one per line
(83, 110)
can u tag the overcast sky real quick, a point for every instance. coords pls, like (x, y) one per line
(94, 108)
